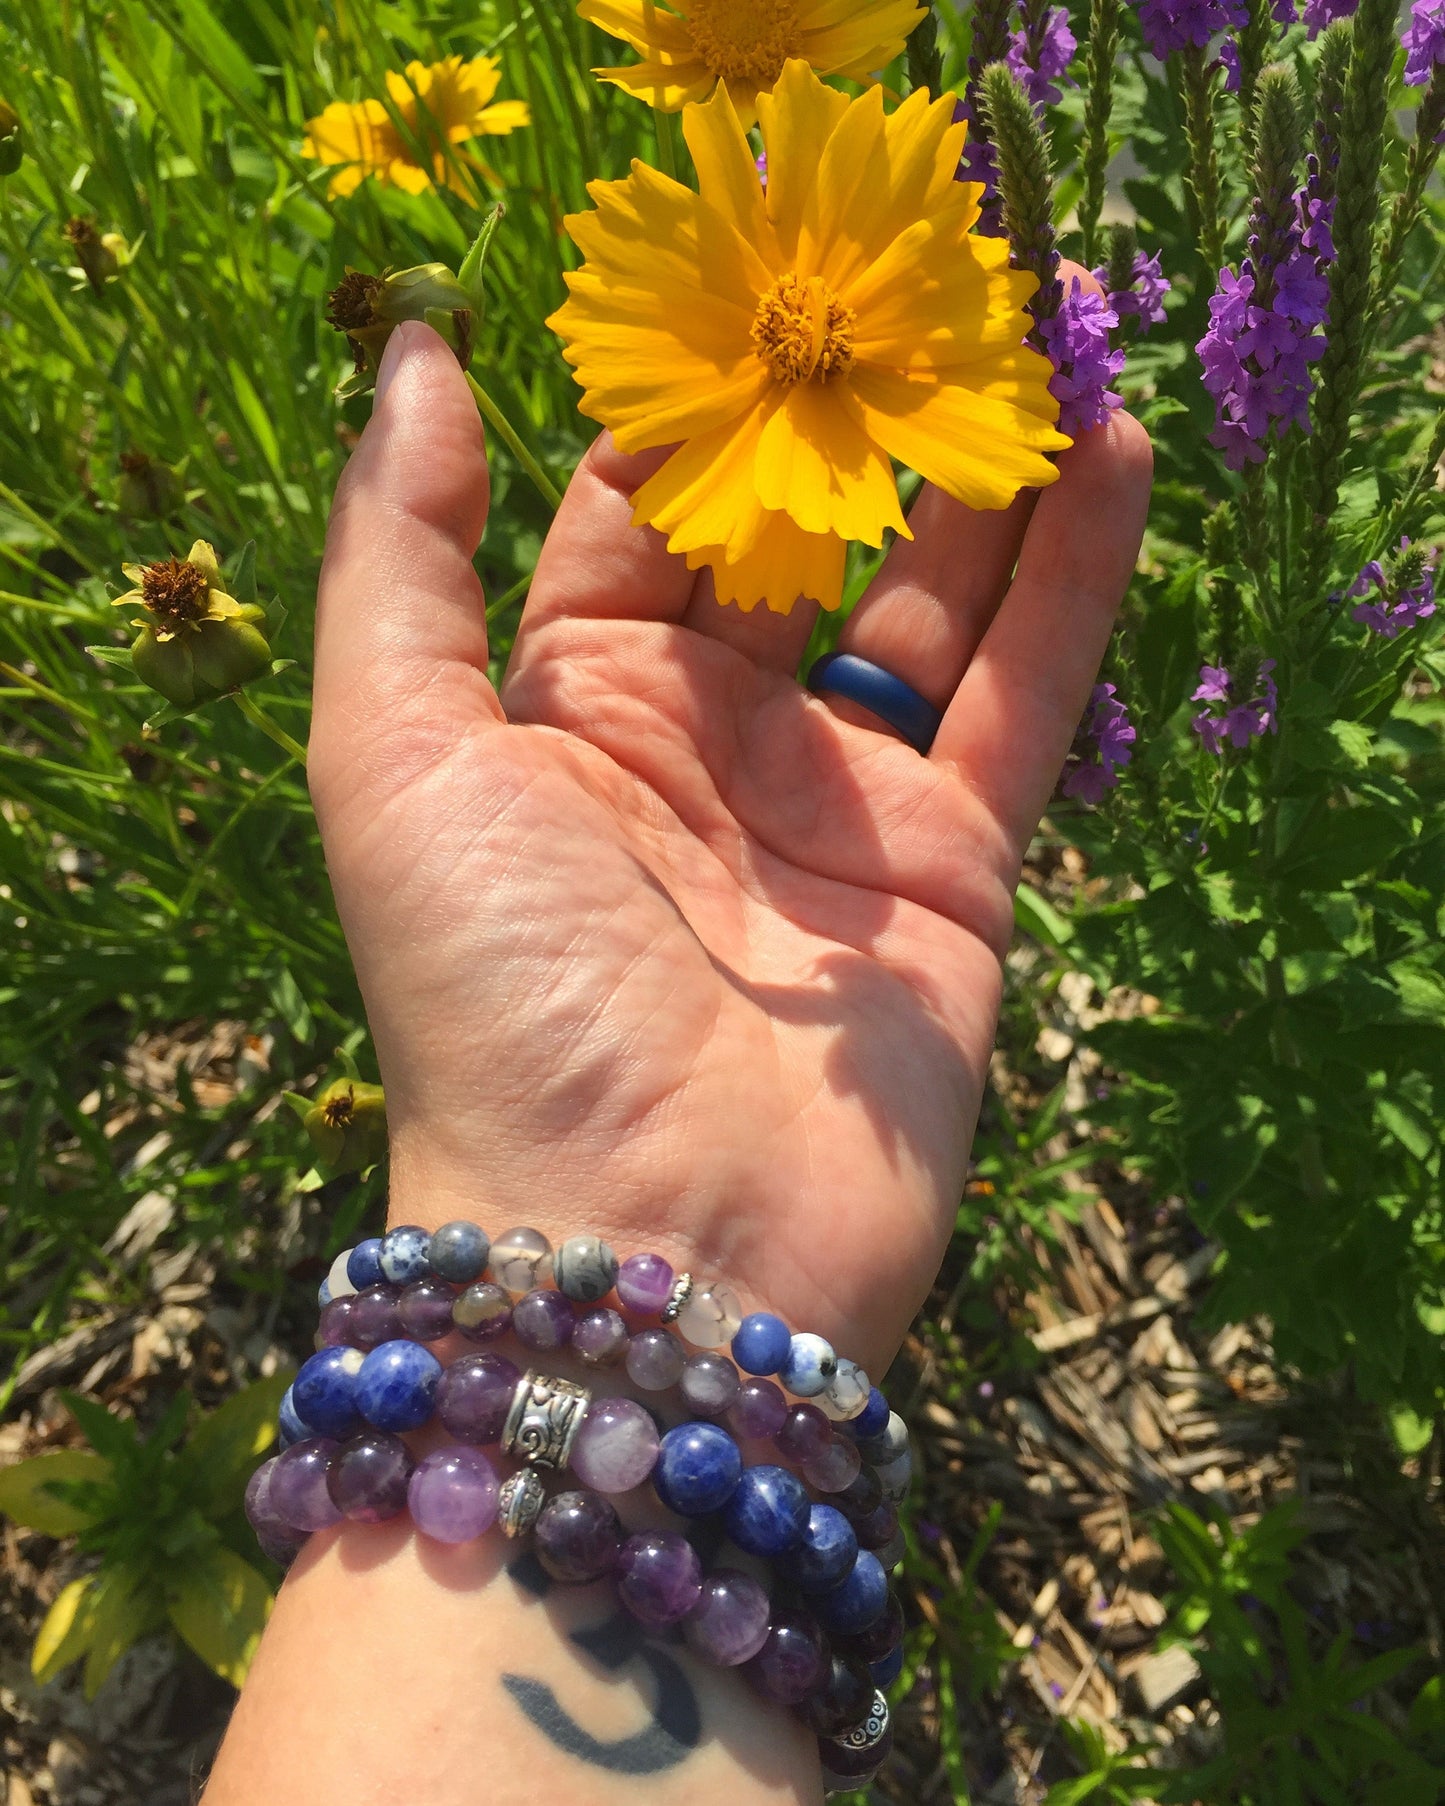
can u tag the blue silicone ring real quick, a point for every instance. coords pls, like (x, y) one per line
(881, 693)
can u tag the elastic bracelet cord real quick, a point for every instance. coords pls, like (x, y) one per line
(827, 1637)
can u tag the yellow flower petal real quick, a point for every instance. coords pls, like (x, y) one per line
(203, 556)
(361, 134)
(705, 494)
(665, 87)
(642, 24)
(785, 565)
(727, 173)
(980, 443)
(844, 39)
(505, 116)
(816, 462)
(798, 118)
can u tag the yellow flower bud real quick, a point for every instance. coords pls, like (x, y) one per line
(12, 148)
(368, 308)
(99, 256)
(347, 1125)
(196, 642)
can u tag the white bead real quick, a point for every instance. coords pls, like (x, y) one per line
(895, 1476)
(520, 1260)
(711, 1316)
(846, 1393)
(810, 1366)
(341, 1286)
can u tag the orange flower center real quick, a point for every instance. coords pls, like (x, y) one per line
(176, 590)
(745, 40)
(802, 330)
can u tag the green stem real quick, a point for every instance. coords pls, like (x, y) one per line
(666, 149)
(499, 423)
(255, 714)
(1283, 466)
(1102, 48)
(1410, 202)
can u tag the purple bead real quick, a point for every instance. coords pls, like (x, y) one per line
(374, 1316)
(578, 1537)
(368, 1475)
(474, 1395)
(260, 1514)
(333, 1330)
(396, 1385)
(616, 1447)
(834, 1468)
(843, 1698)
(453, 1495)
(280, 1546)
(878, 1527)
(542, 1320)
(758, 1411)
(644, 1283)
(600, 1337)
(888, 1670)
(298, 1495)
(709, 1383)
(861, 1495)
(805, 1433)
(659, 1578)
(654, 1360)
(729, 1623)
(482, 1312)
(793, 1659)
(426, 1310)
(881, 1637)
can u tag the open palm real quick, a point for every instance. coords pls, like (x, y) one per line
(657, 944)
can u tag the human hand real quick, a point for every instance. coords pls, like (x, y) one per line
(657, 945)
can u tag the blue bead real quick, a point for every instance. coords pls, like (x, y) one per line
(698, 1468)
(761, 1343)
(404, 1254)
(768, 1514)
(323, 1394)
(810, 1365)
(871, 1420)
(289, 1421)
(395, 1387)
(323, 1292)
(363, 1265)
(858, 1600)
(459, 1252)
(888, 1670)
(827, 1551)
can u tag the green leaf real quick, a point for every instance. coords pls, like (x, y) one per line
(113, 1436)
(291, 1006)
(27, 1495)
(221, 1610)
(1354, 740)
(1035, 915)
(112, 655)
(124, 1612)
(65, 1635)
(243, 579)
(226, 1447)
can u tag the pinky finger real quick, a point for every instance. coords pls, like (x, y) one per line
(1009, 727)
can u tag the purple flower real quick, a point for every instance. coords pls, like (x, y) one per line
(1039, 59)
(1233, 71)
(1263, 332)
(1320, 13)
(1424, 41)
(1101, 748)
(760, 163)
(979, 163)
(1245, 717)
(1144, 297)
(1405, 588)
(1076, 339)
(1170, 25)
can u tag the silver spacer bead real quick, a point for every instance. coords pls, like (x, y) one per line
(520, 1501)
(871, 1732)
(543, 1420)
(681, 1292)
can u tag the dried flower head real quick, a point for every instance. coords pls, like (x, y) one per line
(195, 641)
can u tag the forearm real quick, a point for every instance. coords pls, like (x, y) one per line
(396, 1668)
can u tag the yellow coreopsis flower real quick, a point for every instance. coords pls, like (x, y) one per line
(440, 104)
(688, 49)
(791, 342)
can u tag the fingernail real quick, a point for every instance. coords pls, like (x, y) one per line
(395, 351)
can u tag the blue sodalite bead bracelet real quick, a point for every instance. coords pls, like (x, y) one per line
(831, 1633)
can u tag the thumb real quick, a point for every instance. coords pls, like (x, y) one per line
(401, 629)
